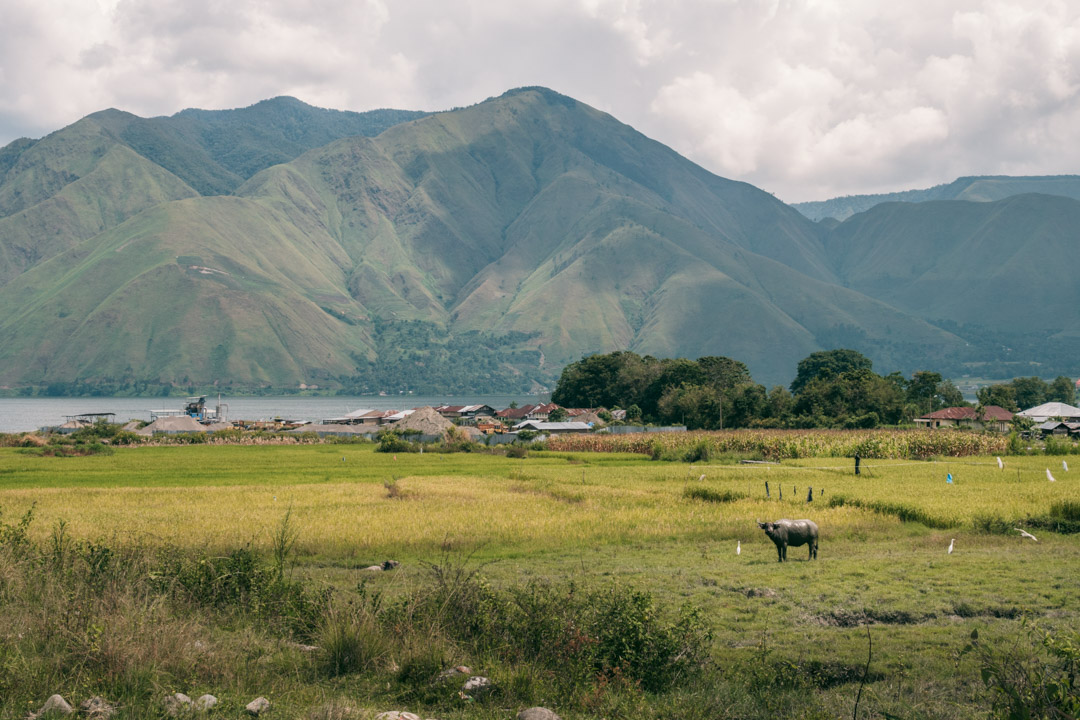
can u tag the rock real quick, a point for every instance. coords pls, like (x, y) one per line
(537, 713)
(390, 564)
(373, 568)
(177, 704)
(205, 702)
(97, 708)
(397, 715)
(453, 672)
(476, 685)
(56, 705)
(258, 706)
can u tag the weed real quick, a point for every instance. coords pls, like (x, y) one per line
(696, 492)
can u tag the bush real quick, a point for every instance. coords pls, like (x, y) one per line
(578, 636)
(242, 581)
(1059, 445)
(1033, 679)
(350, 641)
(714, 496)
(392, 442)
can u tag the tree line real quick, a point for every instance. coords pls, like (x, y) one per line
(831, 389)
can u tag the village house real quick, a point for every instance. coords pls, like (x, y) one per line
(991, 417)
(1051, 411)
(466, 414)
(552, 428)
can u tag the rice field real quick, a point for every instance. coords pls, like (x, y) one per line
(353, 504)
(611, 519)
(790, 444)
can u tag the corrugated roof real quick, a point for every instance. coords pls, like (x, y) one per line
(552, 426)
(1049, 410)
(990, 412)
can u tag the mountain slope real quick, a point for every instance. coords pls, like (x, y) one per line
(1008, 264)
(109, 166)
(519, 233)
(977, 189)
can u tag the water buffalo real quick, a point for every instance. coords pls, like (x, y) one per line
(794, 533)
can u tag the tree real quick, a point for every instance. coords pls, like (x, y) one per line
(950, 395)
(828, 363)
(559, 414)
(723, 372)
(923, 390)
(859, 398)
(1062, 390)
(1001, 395)
(1030, 391)
(696, 406)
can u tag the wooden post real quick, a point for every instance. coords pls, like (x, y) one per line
(767, 488)
(856, 464)
(810, 495)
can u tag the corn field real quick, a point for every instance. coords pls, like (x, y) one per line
(791, 444)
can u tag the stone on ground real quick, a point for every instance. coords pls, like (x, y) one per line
(537, 713)
(56, 705)
(258, 706)
(205, 702)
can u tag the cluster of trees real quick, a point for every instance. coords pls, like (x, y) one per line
(834, 388)
(1027, 392)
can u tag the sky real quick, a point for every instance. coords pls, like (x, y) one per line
(807, 99)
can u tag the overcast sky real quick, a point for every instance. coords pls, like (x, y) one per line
(806, 99)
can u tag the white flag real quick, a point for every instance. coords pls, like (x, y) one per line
(1049, 476)
(1001, 465)
(1065, 466)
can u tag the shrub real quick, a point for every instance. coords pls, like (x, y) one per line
(714, 496)
(349, 642)
(392, 442)
(1032, 679)
(1058, 445)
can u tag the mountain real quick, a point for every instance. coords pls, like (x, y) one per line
(91, 176)
(952, 259)
(471, 250)
(985, 188)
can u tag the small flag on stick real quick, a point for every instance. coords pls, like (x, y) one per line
(948, 478)
(1001, 465)
(1049, 476)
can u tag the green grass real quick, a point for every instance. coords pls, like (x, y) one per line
(598, 521)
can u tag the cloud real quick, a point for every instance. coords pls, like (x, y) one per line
(806, 98)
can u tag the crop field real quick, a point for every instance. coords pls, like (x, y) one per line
(617, 520)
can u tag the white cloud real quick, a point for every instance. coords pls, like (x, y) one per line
(806, 98)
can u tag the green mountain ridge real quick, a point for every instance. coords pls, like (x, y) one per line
(473, 250)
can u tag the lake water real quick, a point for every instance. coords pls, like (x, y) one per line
(23, 414)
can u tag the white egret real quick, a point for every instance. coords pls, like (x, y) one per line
(951, 545)
(738, 547)
(702, 477)
(1025, 533)
(1049, 476)
(1065, 466)
(1001, 465)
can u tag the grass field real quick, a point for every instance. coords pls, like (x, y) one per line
(615, 520)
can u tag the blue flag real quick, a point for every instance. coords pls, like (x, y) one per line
(948, 478)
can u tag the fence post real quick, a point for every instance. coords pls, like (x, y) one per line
(810, 495)
(767, 488)
(856, 463)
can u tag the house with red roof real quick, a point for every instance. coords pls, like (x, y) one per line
(989, 417)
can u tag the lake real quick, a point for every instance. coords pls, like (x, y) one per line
(24, 414)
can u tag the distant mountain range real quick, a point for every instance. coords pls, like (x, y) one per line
(986, 188)
(477, 250)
